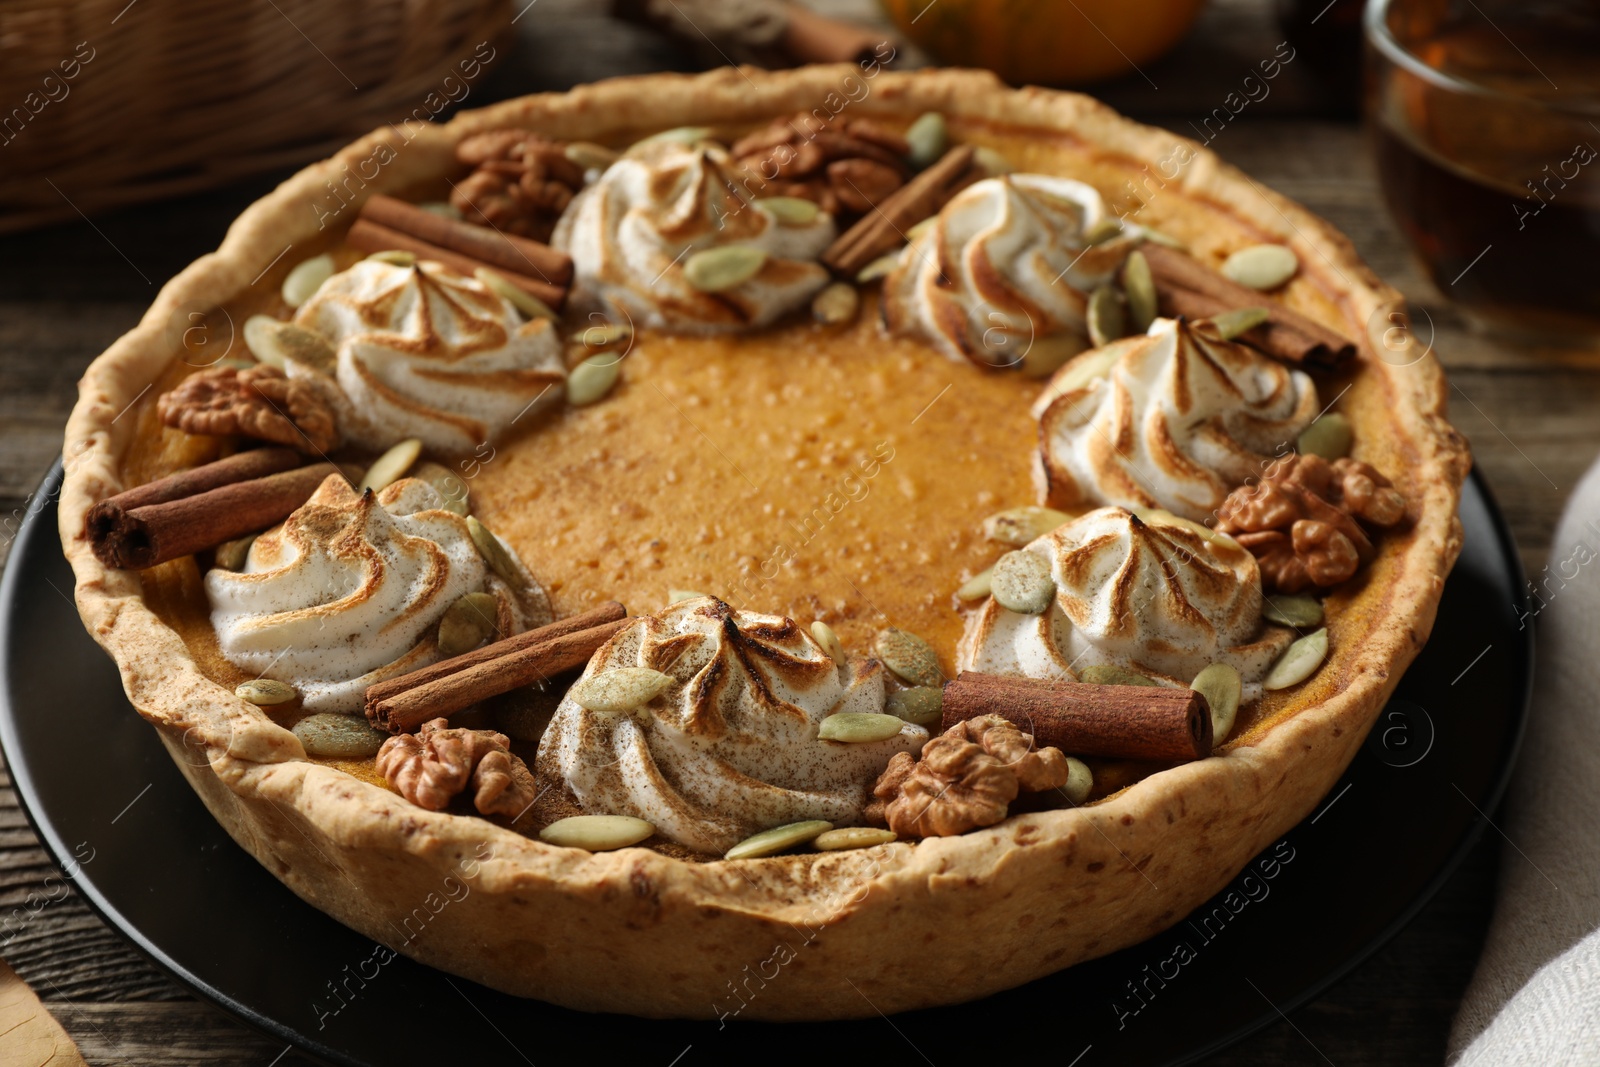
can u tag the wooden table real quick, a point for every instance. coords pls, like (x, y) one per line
(67, 292)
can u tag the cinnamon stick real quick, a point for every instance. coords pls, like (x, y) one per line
(501, 251)
(812, 38)
(884, 228)
(144, 536)
(1116, 721)
(1185, 286)
(406, 710)
(239, 467)
(368, 236)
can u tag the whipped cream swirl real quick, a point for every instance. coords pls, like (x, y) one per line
(1005, 265)
(731, 748)
(631, 231)
(349, 590)
(1174, 419)
(424, 352)
(1149, 592)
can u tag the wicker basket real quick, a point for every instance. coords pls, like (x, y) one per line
(107, 102)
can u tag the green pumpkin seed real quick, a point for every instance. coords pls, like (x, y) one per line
(909, 657)
(829, 641)
(1328, 437)
(676, 135)
(231, 555)
(495, 554)
(596, 833)
(677, 596)
(1080, 781)
(1019, 526)
(1289, 610)
(1261, 267)
(1107, 674)
(467, 623)
(859, 727)
(395, 257)
(276, 343)
(1231, 324)
(778, 839)
(715, 270)
(306, 278)
(265, 692)
(790, 210)
(1087, 369)
(329, 736)
(592, 379)
(442, 208)
(391, 466)
(927, 139)
(977, 587)
(1298, 663)
(1156, 237)
(921, 228)
(991, 162)
(1107, 319)
(525, 302)
(590, 156)
(1049, 353)
(852, 837)
(878, 268)
(1221, 685)
(921, 704)
(836, 305)
(604, 335)
(619, 690)
(1103, 230)
(1022, 582)
(451, 486)
(1139, 286)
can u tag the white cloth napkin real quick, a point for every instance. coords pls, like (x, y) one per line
(1535, 998)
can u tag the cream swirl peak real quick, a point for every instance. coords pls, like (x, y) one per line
(731, 747)
(631, 233)
(1153, 593)
(422, 351)
(1007, 263)
(1174, 419)
(349, 591)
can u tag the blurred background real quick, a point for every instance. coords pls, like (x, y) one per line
(1451, 142)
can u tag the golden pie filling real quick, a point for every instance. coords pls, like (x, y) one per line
(815, 513)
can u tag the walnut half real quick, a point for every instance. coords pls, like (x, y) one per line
(259, 402)
(429, 768)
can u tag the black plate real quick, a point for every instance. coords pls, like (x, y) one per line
(149, 857)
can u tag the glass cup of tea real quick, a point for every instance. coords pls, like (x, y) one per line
(1485, 119)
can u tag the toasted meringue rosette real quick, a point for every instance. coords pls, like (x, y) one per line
(731, 747)
(350, 588)
(1151, 592)
(1174, 419)
(425, 352)
(631, 232)
(1006, 263)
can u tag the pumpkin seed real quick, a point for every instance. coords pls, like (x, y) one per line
(596, 833)
(921, 228)
(715, 270)
(1231, 324)
(790, 210)
(1049, 353)
(525, 302)
(909, 657)
(1296, 611)
(592, 379)
(1328, 437)
(1106, 674)
(1139, 286)
(395, 257)
(1022, 582)
(824, 636)
(605, 334)
(676, 596)
(991, 162)
(857, 727)
(977, 587)
(1157, 237)
(677, 135)
(619, 690)
(451, 486)
(1107, 319)
(878, 268)
(467, 623)
(852, 837)
(1019, 526)
(265, 692)
(1298, 663)
(276, 343)
(1103, 230)
(231, 555)
(836, 305)
(1080, 781)
(778, 839)
(927, 139)
(590, 156)
(330, 736)
(306, 278)
(389, 467)
(1087, 369)
(1221, 685)
(1261, 267)
(495, 554)
(921, 704)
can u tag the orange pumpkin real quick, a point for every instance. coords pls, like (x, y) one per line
(1046, 42)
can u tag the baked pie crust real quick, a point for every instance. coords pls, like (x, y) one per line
(896, 927)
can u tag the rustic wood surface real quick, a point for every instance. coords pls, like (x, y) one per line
(67, 292)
